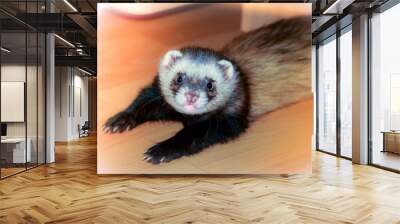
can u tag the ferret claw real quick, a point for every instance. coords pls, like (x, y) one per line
(147, 158)
(115, 129)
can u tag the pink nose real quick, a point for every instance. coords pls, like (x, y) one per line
(191, 98)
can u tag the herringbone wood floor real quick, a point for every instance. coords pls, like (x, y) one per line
(69, 191)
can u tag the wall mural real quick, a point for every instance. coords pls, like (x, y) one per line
(204, 88)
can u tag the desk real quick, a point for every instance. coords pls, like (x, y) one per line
(13, 150)
(391, 141)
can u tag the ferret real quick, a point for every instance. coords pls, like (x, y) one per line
(216, 95)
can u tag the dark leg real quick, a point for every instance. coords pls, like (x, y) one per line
(148, 106)
(196, 137)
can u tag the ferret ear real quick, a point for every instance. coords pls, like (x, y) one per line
(170, 58)
(227, 68)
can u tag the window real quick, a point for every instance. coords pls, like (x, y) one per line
(385, 89)
(327, 95)
(334, 106)
(346, 92)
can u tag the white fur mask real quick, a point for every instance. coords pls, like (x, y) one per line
(221, 71)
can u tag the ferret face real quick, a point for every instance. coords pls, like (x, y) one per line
(196, 82)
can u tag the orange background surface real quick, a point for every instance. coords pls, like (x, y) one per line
(129, 50)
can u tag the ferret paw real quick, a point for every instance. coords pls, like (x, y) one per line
(161, 153)
(120, 122)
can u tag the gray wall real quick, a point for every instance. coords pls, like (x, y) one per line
(71, 102)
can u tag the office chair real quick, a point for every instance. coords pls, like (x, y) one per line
(84, 130)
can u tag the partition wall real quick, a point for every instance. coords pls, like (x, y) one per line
(22, 76)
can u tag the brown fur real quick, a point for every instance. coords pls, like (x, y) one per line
(276, 60)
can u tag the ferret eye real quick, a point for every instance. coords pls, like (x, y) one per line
(210, 86)
(179, 79)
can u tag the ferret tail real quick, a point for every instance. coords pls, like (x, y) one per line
(276, 61)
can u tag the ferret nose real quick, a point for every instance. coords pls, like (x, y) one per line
(191, 97)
